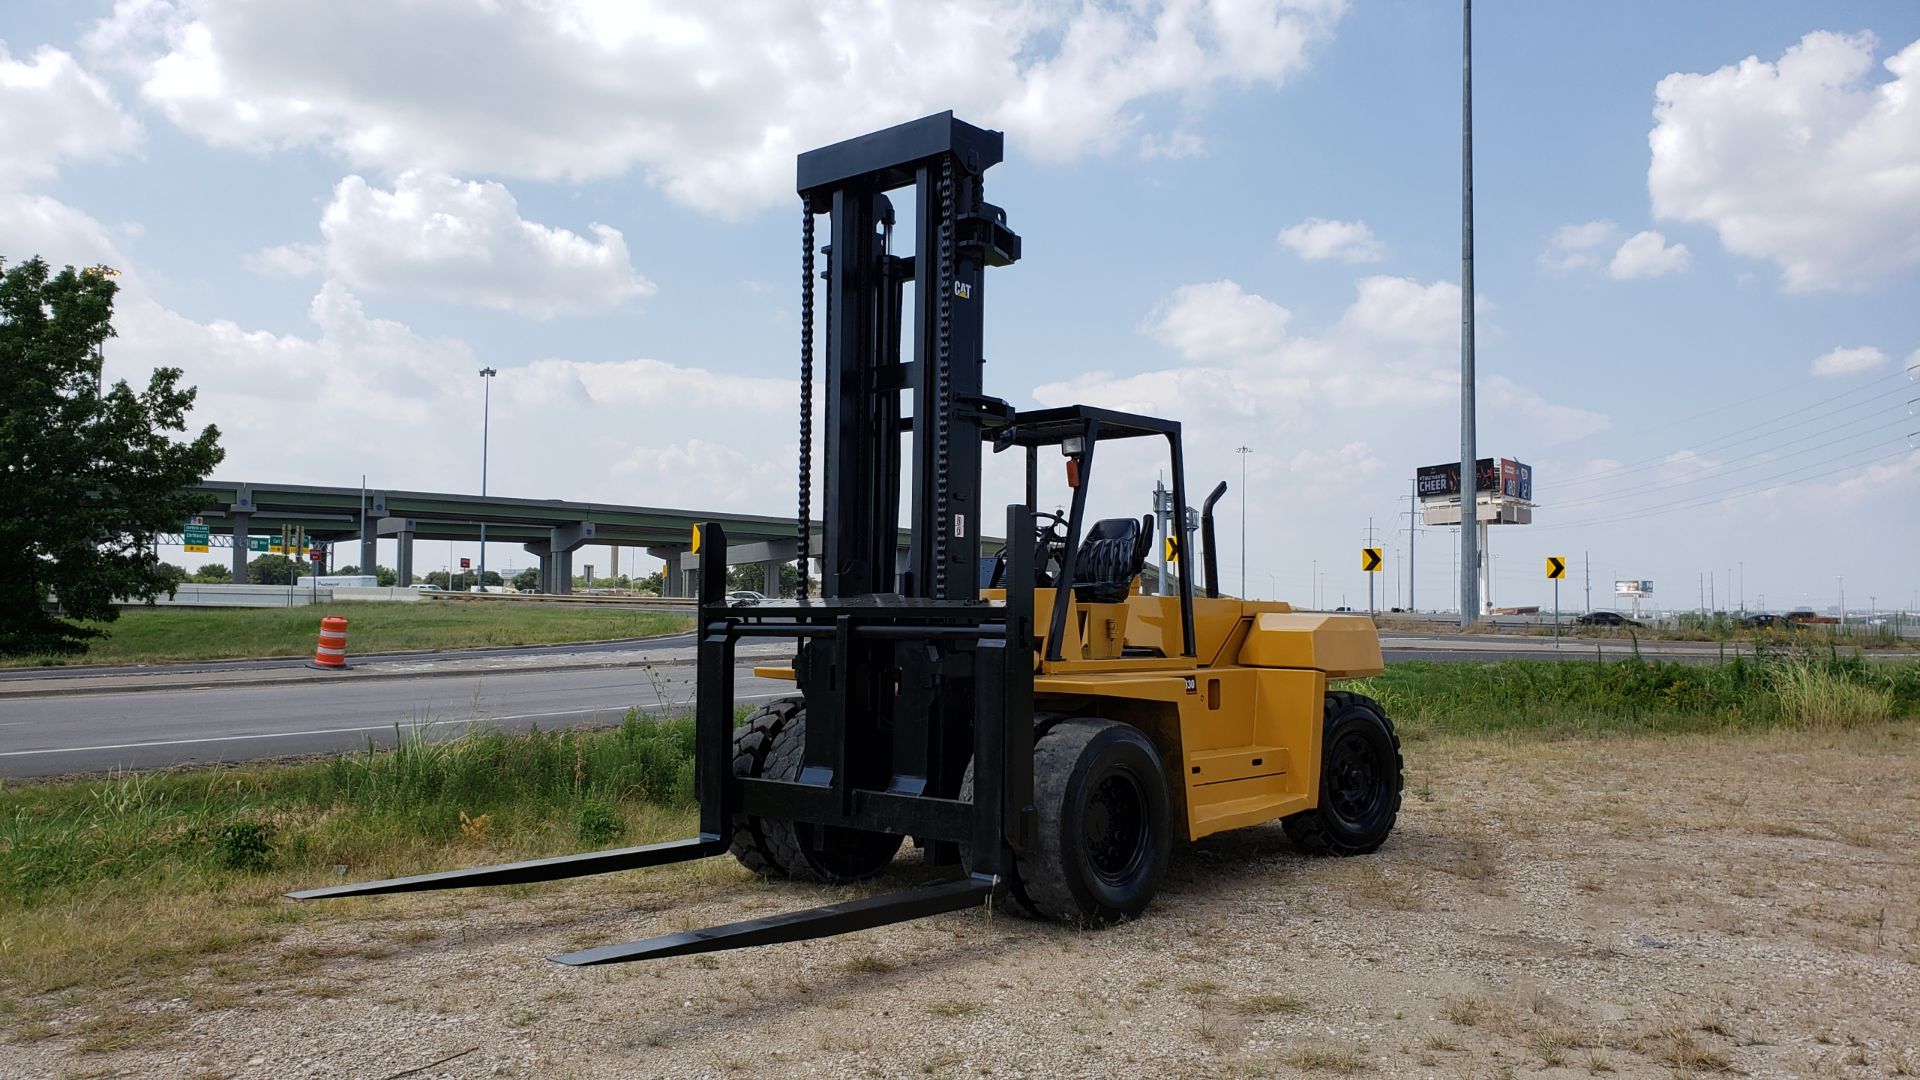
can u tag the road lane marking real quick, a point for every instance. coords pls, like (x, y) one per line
(340, 730)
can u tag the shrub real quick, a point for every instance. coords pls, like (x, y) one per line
(244, 846)
(598, 824)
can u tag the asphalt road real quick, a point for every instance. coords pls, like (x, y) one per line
(94, 733)
(232, 719)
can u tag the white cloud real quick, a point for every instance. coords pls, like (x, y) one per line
(1647, 254)
(1572, 246)
(53, 112)
(38, 225)
(711, 102)
(287, 260)
(460, 241)
(359, 394)
(1319, 238)
(1849, 361)
(1803, 161)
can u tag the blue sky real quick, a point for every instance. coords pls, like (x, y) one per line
(331, 217)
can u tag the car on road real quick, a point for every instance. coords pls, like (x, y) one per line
(1766, 620)
(745, 597)
(426, 588)
(1605, 618)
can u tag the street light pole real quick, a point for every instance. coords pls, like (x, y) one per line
(1243, 452)
(486, 416)
(1469, 452)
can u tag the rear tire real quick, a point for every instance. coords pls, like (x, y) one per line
(1360, 781)
(751, 741)
(1104, 828)
(827, 854)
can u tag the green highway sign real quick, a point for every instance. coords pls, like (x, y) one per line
(257, 543)
(194, 538)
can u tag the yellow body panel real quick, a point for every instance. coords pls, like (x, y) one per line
(1241, 721)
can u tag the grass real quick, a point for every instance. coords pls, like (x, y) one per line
(1813, 691)
(196, 859)
(158, 635)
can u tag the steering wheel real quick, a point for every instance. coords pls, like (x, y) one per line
(1049, 551)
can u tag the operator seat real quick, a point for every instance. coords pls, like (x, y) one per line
(1110, 558)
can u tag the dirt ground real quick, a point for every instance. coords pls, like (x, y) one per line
(1644, 907)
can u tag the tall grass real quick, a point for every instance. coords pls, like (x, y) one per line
(1635, 695)
(377, 810)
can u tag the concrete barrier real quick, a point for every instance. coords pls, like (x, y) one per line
(193, 594)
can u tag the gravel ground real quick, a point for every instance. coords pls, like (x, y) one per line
(1645, 907)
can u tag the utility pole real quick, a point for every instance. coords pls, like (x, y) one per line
(1314, 591)
(1587, 556)
(1469, 452)
(1743, 586)
(1413, 508)
(486, 415)
(1243, 452)
(1370, 577)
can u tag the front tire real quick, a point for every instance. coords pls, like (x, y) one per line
(1104, 828)
(1360, 781)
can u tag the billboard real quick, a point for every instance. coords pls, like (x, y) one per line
(1516, 480)
(1506, 476)
(1633, 588)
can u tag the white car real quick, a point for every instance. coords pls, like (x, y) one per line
(745, 597)
(426, 588)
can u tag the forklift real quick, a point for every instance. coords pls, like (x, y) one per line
(1038, 724)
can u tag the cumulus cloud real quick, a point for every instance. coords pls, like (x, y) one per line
(403, 406)
(711, 102)
(53, 112)
(1805, 161)
(63, 236)
(1319, 238)
(1573, 246)
(464, 242)
(1849, 361)
(1647, 254)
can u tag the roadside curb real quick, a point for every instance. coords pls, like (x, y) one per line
(298, 676)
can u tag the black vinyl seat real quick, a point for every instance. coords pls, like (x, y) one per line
(1110, 558)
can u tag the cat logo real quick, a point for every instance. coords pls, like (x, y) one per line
(963, 290)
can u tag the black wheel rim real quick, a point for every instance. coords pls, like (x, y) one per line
(1355, 782)
(1113, 829)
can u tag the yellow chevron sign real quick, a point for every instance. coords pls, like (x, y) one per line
(1556, 567)
(1370, 560)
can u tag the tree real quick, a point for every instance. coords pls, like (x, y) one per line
(273, 570)
(383, 576)
(527, 580)
(88, 473)
(752, 576)
(174, 574)
(213, 573)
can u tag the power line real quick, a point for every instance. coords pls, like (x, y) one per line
(1718, 469)
(1768, 484)
(1769, 426)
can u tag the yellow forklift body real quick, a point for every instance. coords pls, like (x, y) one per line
(1243, 722)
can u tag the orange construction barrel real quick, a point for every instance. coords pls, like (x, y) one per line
(332, 650)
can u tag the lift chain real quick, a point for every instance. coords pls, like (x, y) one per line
(943, 378)
(806, 393)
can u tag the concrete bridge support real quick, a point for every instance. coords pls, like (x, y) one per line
(557, 569)
(401, 529)
(242, 521)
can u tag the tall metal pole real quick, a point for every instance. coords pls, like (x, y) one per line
(1413, 508)
(1469, 452)
(1370, 577)
(1243, 452)
(486, 416)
